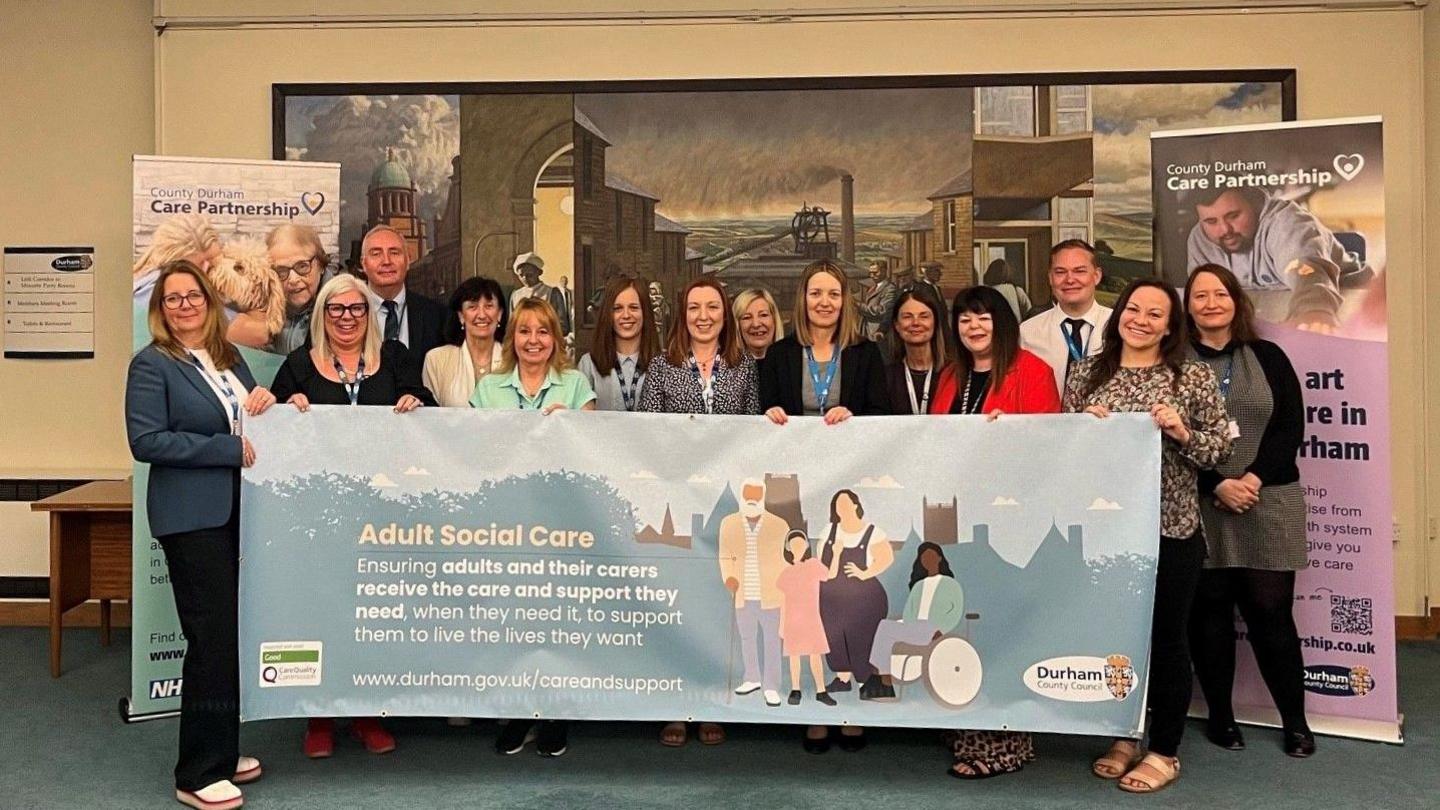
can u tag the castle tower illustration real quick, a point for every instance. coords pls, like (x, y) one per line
(392, 197)
(782, 499)
(941, 521)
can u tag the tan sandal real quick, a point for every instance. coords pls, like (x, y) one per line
(674, 734)
(1121, 757)
(1153, 774)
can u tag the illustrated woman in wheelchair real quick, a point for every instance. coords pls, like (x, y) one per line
(921, 643)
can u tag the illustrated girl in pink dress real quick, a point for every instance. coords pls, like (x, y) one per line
(801, 630)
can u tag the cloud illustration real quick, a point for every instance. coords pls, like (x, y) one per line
(1001, 500)
(413, 470)
(381, 480)
(698, 478)
(644, 475)
(1102, 505)
(883, 482)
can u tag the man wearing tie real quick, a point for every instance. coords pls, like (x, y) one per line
(1070, 330)
(411, 318)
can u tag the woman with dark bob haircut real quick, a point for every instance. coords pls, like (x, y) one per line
(991, 374)
(475, 332)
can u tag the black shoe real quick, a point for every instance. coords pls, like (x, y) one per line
(813, 745)
(838, 685)
(824, 697)
(852, 742)
(870, 687)
(1299, 744)
(514, 735)
(552, 739)
(1226, 736)
(794, 699)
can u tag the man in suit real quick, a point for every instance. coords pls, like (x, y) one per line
(1071, 330)
(411, 318)
(876, 299)
(528, 267)
(752, 545)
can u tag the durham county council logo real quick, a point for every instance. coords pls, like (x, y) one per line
(1360, 680)
(1336, 680)
(1119, 676)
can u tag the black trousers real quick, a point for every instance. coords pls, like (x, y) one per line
(204, 569)
(1171, 683)
(1266, 600)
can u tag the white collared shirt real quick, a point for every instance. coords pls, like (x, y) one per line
(1044, 335)
(378, 304)
(450, 374)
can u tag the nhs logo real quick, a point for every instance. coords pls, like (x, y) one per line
(166, 688)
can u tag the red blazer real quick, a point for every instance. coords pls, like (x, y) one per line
(1028, 388)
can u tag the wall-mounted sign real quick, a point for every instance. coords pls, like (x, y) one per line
(49, 302)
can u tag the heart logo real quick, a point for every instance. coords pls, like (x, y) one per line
(1349, 165)
(314, 200)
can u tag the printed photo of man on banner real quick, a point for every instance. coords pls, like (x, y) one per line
(1293, 215)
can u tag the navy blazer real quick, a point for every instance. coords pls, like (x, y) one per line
(426, 318)
(177, 425)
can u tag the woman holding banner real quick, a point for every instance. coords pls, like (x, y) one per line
(347, 364)
(921, 350)
(826, 368)
(534, 374)
(999, 378)
(1142, 367)
(1253, 509)
(623, 344)
(477, 327)
(703, 370)
(186, 398)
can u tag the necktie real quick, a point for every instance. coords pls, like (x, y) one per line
(392, 321)
(1077, 346)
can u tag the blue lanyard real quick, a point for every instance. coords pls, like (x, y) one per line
(223, 384)
(1070, 347)
(352, 388)
(628, 389)
(822, 387)
(1226, 377)
(707, 387)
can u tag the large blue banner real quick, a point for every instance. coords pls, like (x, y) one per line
(936, 572)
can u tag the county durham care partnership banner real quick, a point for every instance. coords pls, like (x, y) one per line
(218, 214)
(598, 566)
(1297, 211)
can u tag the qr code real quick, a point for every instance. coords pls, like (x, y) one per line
(1351, 615)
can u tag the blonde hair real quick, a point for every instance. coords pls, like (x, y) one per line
(339, 285)
(538, 309)
(745, 298)
(222, 354)
(847, 331)
(302, 235)
(176, 238)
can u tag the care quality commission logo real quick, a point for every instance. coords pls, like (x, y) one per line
(1083, 678)
(290, 663)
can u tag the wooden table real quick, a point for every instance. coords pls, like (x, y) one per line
(90, 553)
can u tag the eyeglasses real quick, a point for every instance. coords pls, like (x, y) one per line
(337, 311)
(300, 268)
(194, 298)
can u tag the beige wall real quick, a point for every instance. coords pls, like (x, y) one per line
(212, 92)
(1430, 271)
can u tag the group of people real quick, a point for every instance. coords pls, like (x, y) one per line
(1226, 402)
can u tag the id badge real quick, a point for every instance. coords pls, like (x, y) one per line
(1234, 429)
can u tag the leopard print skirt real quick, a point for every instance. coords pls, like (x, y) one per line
(999, 751)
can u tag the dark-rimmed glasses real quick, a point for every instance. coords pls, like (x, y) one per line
(300, 268)
(194, 298)
(337, 311)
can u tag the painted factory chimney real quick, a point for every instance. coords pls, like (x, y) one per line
(847, 218)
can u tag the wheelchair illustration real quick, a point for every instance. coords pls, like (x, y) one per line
(949, 666)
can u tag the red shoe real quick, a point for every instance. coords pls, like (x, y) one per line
(373, 735)
(319, 738)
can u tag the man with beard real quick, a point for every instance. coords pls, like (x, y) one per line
(1271, 243)
(752, 545)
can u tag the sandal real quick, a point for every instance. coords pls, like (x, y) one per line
(1159, 772)
(1121, 757)
(674, 734)
(978, 769)
(711, 734)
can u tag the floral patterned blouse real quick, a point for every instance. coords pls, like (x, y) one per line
(1196, 396)
(669, 389)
